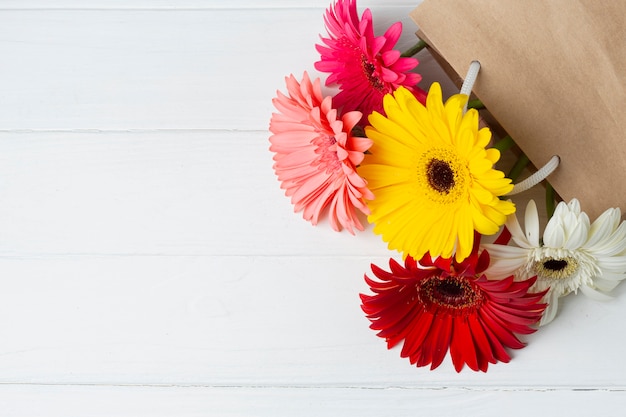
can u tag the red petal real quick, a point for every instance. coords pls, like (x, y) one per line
(504, 335)
(429, 344)
(484, 352)
(415, 337)
(496, 346)
(483, 262)
(466, 351)
(504, 237)
(443, 341)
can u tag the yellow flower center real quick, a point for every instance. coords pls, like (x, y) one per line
(556, 269)
(441, 175)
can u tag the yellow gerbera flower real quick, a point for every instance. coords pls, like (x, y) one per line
(434, 183)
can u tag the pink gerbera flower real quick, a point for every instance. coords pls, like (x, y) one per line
(316, 155)
(366, 67)
(438, 305)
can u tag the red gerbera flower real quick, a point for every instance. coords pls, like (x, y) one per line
(366, 67)
(439, 305)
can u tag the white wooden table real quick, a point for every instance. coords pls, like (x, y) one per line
(151, 266)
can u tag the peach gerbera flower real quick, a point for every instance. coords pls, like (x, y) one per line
(316, 155)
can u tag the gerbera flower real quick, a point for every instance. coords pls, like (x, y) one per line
(432, 178)
(316, 155)
(366, 67)
(575, 255)
(438, 305)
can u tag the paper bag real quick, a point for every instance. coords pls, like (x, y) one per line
(553, 74)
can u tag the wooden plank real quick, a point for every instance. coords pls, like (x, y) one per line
(89, 401)
(152, 266)
(172, 69)
(189, 4)
(255, 321)
(189, 192)
(154, 192)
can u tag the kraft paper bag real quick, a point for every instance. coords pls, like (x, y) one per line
(553, 74)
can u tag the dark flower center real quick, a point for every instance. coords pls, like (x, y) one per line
(369, 70)
(452, 294)
(555, 264)
(556, 268)
(440, 175)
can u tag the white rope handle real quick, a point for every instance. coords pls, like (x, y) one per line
(537, 177)
(470, 79)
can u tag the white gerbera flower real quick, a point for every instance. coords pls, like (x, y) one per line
(574, 254)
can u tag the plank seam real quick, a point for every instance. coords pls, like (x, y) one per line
(473, 388)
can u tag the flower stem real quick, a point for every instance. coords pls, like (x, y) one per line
(519, 166)
(504, 143)
(550, 200)
(415, 49)
(475, 104)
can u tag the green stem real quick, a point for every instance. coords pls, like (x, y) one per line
(519, 166)
(415, 49)
(550, 200)
(504, 143)
(475, 104)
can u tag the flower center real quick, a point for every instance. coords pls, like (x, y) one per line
(369, 69)
(556, 268)
(327, 151)
(440, 176)
(451, 294)
(555, 264)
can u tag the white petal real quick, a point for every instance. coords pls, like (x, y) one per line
(604, 225)
(574, 206)
(517, 234)
(578, 235)
(500, 271)
(550, 311)
(616, 276)
(531, 223)
(560, 210)
(554, 234)
(605, 285)
(596, 295)
(505, 260)
(497, 252)
(612, 263)
(612, 244)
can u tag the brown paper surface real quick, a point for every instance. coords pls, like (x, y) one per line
(553, 74)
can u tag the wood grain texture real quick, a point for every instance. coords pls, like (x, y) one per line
(151, 265)
(192, 4)
(124, 401)
(156, 69)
